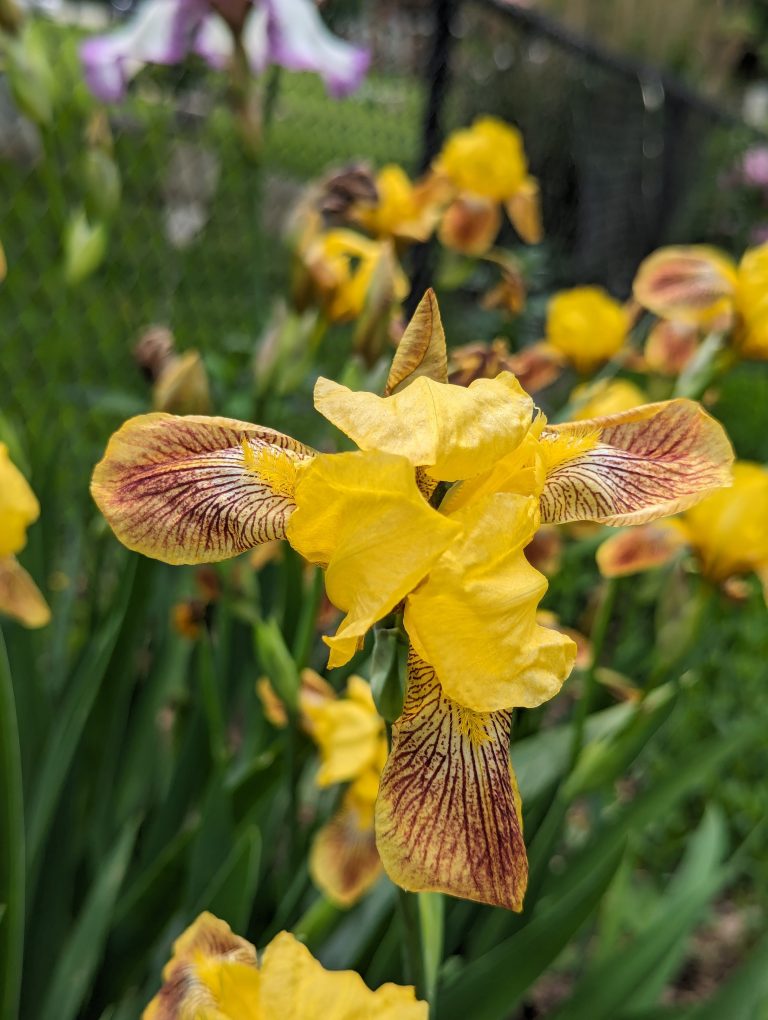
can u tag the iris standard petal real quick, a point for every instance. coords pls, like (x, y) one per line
(362, 515)
(421, 350)
(452, 431)
(196, 489)
(474, 618)
(634, 466)
(299, 41)
(447, 816)
(161, 32)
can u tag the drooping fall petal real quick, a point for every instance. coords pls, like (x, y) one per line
(670, 346)
(452, 431)
(524, 211)
(195, 489)
(447, 817)
(344, 862)
(421, 350)
(692, 284)
(20, 598)
(470, 224)
(474, 618)
(638, 549)
(635, 466)
(362, 515)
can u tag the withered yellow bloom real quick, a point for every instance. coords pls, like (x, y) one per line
(486, 167)
(20, 597)
(587, 326)
(431, 515)
(703, 287)
(726, 532)
(350, 735)
(217, 975)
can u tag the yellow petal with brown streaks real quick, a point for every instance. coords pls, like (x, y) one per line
(638, 549)
(635, 466)
(470, 224)
(446, 817)
(421, 350)
(452, 431)
(20, 598)
(196, 489)
(524, 211)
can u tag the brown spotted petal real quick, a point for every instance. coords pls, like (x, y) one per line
(693, 284)
(447, 817)
(635, 466)
(20, 598)
(421, 350)
(638, 549)
(344, 862)
(196, 489)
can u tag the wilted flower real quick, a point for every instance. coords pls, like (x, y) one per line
(285, 32)
(704, 288)
(432, 514)
(586, 326)
(20, 597)
(344, 861)
(217, 975)
(535, 366)
(726, 532)
(486, 167)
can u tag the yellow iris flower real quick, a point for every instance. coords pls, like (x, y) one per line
(350, 735)
(726, 532)
(217, 975)
(703, 287)
(431, 515)
(604, 397)
(485, 166)
(20, 597)
(404, 210)
(586, 326)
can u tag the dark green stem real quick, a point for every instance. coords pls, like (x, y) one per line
(597, 639)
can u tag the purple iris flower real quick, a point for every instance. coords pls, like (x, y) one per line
(290, 33)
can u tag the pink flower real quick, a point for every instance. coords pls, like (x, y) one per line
(285, 32)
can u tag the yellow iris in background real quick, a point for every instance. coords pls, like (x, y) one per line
(404, 210)
(486, 167)
(726, 533)
(20, 597)
(703, 287)
(430, 517)
(587, 326)
(217, 975)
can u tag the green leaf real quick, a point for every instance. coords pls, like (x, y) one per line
(231, 891)
(637, 972)
(12, 844)
(62, 743)
(431, 923)
(490, 987)
(277, 662)
(72, 977)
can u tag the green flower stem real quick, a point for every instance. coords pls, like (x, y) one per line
(669, 669)
(597, 639)
(432, 923)
(317, 921)
(710, 362)
(412, 946)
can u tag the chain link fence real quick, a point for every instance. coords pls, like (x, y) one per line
(625, 164)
